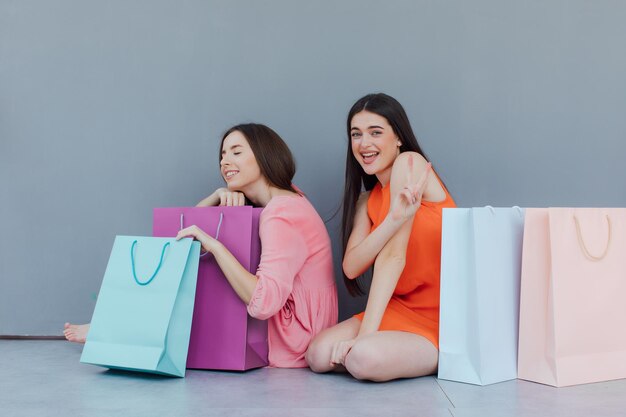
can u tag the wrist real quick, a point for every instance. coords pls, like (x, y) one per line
(214, 246)
(365, 329)
(214, 199)
(393, 222)
(209, 201)
(363, 332)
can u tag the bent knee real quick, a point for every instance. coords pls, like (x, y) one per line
(317, 356)
(365, 363)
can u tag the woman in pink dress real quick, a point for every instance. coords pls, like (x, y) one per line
(294, 286)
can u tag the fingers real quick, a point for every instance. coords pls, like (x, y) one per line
(412, 174)
(333, 354)
(421, 184)
(194, 232)
(409, 174)
(337, 358)
(340, 351)
(409, 196)
(182, 234)
(419, 187)
(232, 198)
(191, 231)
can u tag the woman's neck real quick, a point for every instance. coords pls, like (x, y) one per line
(261, 193)
(384, 177)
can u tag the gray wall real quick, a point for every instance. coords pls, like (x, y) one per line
(108, 109)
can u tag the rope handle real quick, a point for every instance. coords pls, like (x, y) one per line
(582, 245)
(217, 232)
(132, 260)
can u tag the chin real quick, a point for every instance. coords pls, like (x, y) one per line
(235, 187)
(369, 170)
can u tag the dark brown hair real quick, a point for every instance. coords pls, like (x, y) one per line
(271, 153)
(356, 179)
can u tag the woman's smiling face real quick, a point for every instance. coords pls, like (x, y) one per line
(374, 143)
(238, 165)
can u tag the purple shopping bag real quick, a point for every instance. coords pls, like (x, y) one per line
(223, 335)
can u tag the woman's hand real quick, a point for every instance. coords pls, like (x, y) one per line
(208, 243)
(229, 198)
(408, 201)
(223, 197)
(340, 351)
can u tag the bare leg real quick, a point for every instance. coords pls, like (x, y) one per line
(76, 332)
(387, 355)
(320, 349)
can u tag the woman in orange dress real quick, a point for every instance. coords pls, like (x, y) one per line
(391, 223)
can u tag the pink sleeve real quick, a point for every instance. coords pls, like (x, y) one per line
(283, 253)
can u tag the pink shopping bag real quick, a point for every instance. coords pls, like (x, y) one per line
(573, 296)
(223, 335)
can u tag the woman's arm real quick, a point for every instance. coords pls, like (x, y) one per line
(363, 246)
(242, 281)
(283, 255)
(387, 270)
(406, 195)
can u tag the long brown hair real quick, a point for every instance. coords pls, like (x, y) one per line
(275, 160)
(356, 179)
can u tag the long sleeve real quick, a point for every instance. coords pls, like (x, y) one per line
(284, 252)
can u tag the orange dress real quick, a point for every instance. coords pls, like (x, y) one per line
(414, 305)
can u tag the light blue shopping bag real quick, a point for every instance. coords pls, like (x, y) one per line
(481, 250)
(142, 318)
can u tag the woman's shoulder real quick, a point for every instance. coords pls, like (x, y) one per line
(410, 160)
(290, 207)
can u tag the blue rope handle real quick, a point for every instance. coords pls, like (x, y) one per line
(132, 260)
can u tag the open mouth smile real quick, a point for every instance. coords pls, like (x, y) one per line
(229, 174)
(369, 157)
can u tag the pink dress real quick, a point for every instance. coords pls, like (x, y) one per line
(296, 288)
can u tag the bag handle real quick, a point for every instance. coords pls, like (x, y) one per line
(217, 233)
(132, 260)
(581, 242)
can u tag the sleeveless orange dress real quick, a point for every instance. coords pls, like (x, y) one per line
(414, 305)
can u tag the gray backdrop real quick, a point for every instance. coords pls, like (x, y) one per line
(108, 109)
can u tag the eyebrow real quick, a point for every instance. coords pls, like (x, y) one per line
(370, 127)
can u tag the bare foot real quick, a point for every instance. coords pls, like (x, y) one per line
(76, 332)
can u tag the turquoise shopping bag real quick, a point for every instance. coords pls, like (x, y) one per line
(481, 250)
(142, 319)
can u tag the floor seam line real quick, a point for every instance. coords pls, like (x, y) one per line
(444, 392)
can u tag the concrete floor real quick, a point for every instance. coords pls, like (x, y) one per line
(45, 378)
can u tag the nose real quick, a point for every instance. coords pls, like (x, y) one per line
(365, 141)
